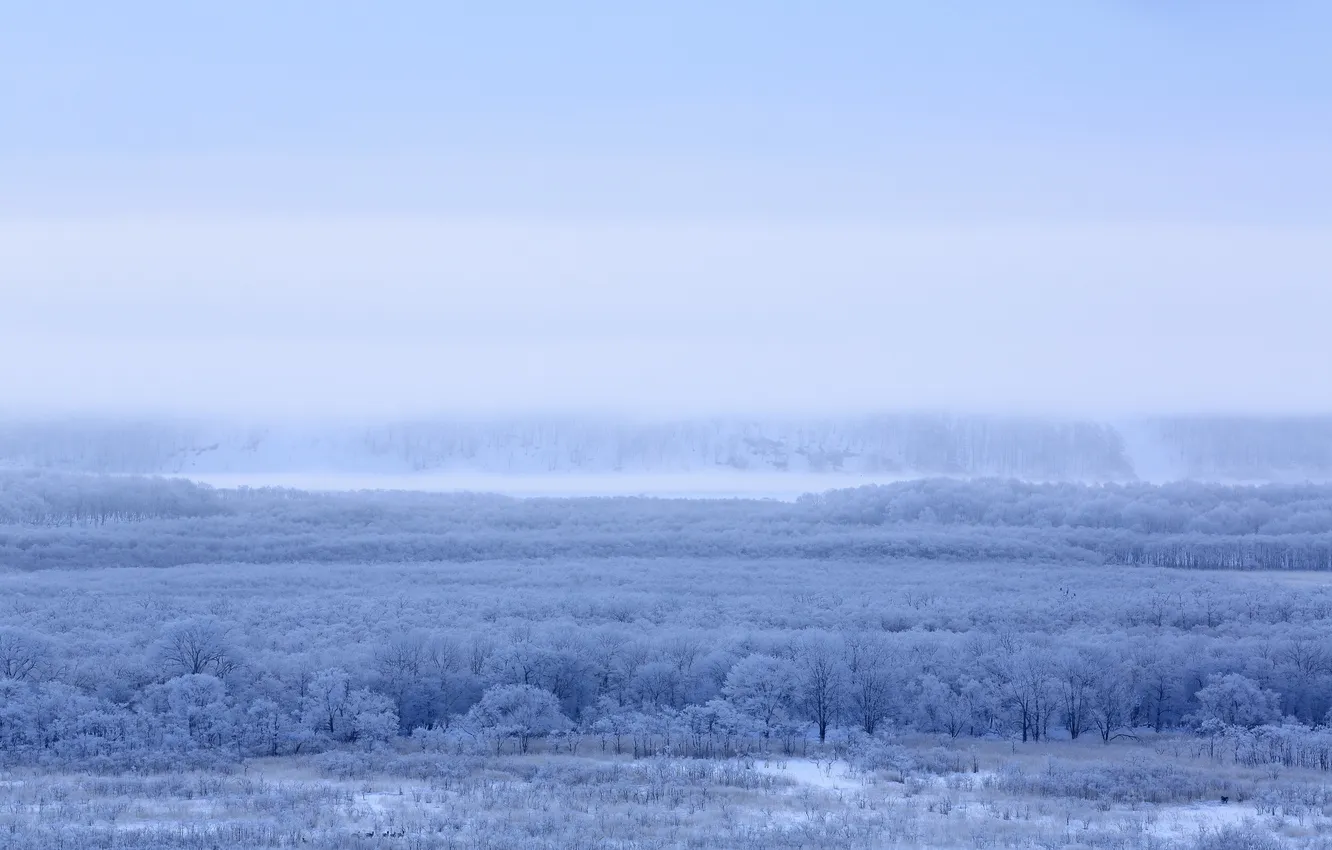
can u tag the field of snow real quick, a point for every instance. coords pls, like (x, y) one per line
(597, 800)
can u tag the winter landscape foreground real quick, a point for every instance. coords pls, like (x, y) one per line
(936, 663)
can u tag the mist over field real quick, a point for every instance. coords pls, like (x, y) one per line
(814, 452)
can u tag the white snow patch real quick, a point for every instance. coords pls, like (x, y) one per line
(1184, 821)
(830, 775)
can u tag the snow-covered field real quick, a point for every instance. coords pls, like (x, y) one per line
(597, 800)
(971, 797)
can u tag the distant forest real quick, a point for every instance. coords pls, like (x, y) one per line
(1227, 449)
(76, 521)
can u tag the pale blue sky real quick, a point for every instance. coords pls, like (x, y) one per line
(1074, 206)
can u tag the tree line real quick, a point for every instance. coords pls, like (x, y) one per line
(69, 521)
(198, 692)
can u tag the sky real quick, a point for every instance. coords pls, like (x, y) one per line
(1097, 207)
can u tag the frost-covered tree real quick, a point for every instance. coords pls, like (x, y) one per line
(373, 720)
(1074, 673)
(821, 683)
(657, 684)
(326, 702)
(942, 707)
(1236, 700)
(764, 688)
(337, 712)
(268, 730)
(1028, 689)
(1113, 700)
(200, 711)
(400, 666)
(870, 684)
(517, 712)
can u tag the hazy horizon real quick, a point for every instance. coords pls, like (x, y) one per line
(1091, 210)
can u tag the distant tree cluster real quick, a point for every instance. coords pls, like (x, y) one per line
(45, 499)
(71, 521)
(1186, 507)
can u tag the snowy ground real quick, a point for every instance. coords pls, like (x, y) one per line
(595, 800)
(830, 775)
(969, 797)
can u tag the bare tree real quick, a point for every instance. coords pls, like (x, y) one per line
(1112, 701)
(399, 668)
(822, 680)
(1025, 682)
(194, 647)
(1075, 673)
(24, 655)
(869, 684)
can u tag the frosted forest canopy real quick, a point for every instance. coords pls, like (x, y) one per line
(295, 623)
(77, 521)
(153, 625)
